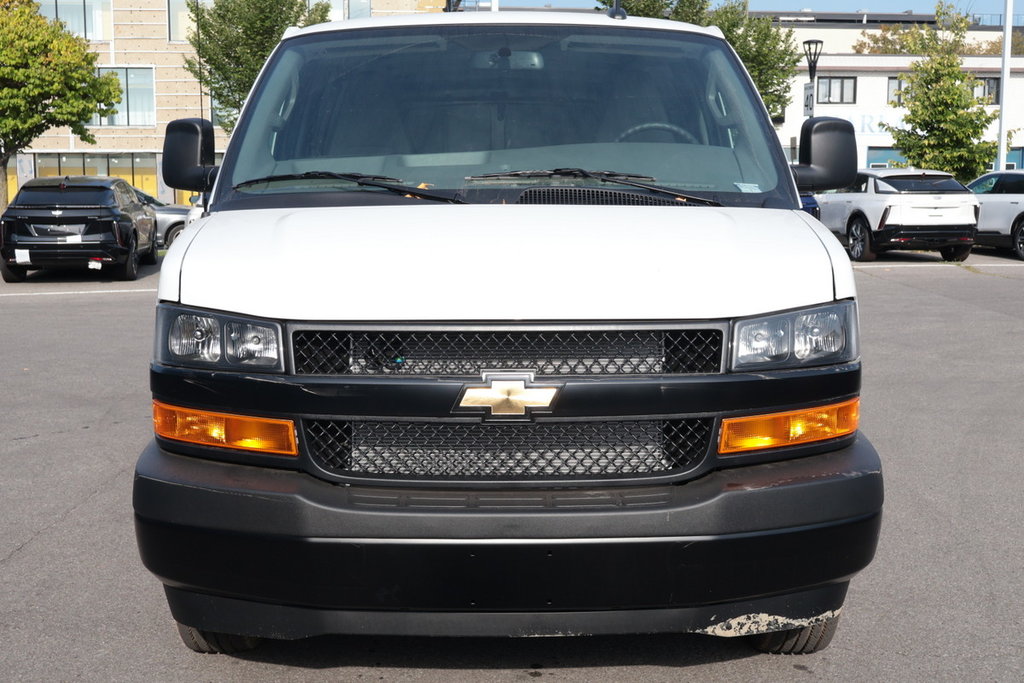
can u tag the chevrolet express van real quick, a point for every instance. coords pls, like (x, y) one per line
(506, 325)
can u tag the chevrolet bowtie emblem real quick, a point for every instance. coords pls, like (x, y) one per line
(507, 395)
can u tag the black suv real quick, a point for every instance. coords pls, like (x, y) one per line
(76, 221)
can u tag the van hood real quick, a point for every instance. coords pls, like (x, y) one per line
(498, 262)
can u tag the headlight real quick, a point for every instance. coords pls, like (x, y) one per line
(816, 336)
(206, 339)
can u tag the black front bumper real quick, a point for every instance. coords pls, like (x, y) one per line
(279, 553)
(926, 237)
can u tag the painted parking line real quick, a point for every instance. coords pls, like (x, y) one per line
(77, 292)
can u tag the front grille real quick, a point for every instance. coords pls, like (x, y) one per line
(541, 451)
(469, 353)
(584, 195)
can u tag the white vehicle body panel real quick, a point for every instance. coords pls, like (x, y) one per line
(495, 262)
(999, 209)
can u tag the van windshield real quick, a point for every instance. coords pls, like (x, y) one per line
(464, 110)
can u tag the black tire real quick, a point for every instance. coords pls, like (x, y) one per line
(149, 258)
(172, 234)
(1017, 239)
(958, 253)
(797, 641)
(213, 643)
(12, 273)
(129, 270)
(858, 238)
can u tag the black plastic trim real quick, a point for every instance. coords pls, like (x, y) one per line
(286, 396)
(229, 615)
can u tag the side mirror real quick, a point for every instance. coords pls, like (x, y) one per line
(828, 155)
(188, 155)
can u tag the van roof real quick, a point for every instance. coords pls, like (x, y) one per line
(531, 18)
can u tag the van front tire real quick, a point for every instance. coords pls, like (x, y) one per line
(797, 641)
(213, 643)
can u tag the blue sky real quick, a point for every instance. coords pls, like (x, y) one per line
(921, 6)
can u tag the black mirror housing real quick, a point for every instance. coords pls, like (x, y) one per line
(828, 155)
(188, 162)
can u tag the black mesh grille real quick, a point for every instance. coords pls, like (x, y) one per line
(533, 451)
(551, 353)
(584, 195)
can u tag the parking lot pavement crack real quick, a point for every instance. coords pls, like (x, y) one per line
(103, 486)
(978, 271)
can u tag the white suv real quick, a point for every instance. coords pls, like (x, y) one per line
(1001, 223)
(900, 208)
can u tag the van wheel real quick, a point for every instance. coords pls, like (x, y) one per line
(213, 643)
(1017, 239)
(859, 239)
(12, 273)
(957, 253)
(797, 641)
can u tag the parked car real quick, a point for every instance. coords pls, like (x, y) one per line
(900, 208)
(1001, 222)
(170, 218)
(76, 221)
(809, 204)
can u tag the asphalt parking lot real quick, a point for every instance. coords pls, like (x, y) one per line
(943, 601)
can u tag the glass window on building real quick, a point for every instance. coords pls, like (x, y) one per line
(884, 157)
(837, 90)
(144, 173)
(120, 166)
(95, 164)
(137, 169)
(178, 20)
(894, 95)
(138, 99)
(988, 88)
(86, 18)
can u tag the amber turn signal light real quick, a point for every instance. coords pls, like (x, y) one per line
(792, 428)
(259, 434)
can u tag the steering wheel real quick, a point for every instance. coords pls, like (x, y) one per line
(683, 134)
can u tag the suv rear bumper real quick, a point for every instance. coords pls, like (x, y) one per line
(923, 237)
(277, 553)
(56, 255)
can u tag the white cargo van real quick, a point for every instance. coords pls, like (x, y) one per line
(506, 325)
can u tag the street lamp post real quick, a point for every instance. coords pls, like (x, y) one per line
(812, 50)
(1004, 84)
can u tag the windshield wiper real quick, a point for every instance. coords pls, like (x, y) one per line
(619, 178)
(363, 179)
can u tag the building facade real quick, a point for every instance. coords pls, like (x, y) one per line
(145, 43)
(863, 88)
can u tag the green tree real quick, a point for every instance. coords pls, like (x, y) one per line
(233, 38)
(767, 50)
(48, 79)
(945, 122)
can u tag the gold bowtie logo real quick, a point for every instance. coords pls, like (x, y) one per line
(507, 397)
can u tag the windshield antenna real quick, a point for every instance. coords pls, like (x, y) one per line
(616, 11)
